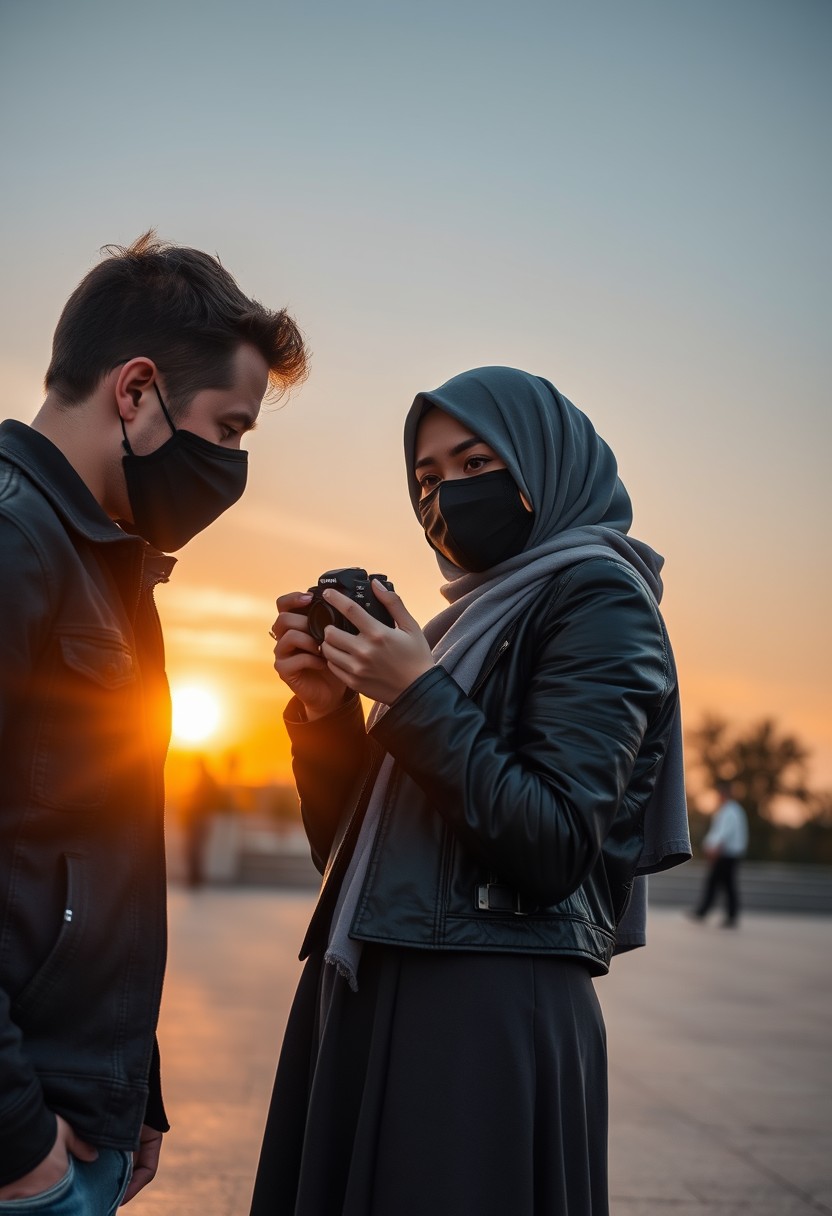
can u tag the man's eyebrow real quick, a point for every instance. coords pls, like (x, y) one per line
(455, 451)
(243, 418)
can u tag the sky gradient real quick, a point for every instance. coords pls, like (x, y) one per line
(630, 200)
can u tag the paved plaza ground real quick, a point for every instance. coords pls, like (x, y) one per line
(720, 1061)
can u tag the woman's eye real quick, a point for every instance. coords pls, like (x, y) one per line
(227, 432)
(428, 482)
(475, 463)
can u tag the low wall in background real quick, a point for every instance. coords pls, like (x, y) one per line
(248, 851)
(764, 887)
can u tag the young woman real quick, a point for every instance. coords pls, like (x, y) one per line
(480, 838)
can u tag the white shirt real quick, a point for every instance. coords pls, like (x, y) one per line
(728, 833)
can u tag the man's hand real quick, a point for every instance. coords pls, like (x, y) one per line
(380, 662)
(145, 1161)
(53, 1167)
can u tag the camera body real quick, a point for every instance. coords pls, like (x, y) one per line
(353, 582)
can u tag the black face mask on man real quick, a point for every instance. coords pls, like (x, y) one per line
(477, 522)
(182, 487)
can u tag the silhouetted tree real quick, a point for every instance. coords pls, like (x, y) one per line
(762, 764)
(812, 841)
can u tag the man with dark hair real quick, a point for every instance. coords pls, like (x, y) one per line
(159, 367)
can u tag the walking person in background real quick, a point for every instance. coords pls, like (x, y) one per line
(159, 366)
(480, 839)
(204, 801)
(724, 846)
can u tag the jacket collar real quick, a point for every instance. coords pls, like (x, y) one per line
(46, 466)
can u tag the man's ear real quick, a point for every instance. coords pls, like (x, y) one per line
(135, 378)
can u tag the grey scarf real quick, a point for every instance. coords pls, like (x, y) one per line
(582, 511)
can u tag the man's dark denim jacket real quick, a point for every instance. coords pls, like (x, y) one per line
(84, 724)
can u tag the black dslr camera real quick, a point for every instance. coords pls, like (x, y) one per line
(353, 582)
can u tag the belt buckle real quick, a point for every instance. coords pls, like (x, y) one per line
(484, 899)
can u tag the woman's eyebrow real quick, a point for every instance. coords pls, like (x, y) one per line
(455, 451)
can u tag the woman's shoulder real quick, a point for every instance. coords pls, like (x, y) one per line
(606, 601)
(592, 576)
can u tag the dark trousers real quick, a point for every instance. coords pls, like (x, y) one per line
(722, 876)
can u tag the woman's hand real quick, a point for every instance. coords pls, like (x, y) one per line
(379, 662)
(298, 662)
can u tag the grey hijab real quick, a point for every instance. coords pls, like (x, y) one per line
(563, 468)
(570, 477)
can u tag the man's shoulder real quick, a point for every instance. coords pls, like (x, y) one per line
(22, 502)
(25, 510)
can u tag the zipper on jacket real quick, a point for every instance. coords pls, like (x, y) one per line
(491, 664)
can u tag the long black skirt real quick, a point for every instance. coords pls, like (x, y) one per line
(449, 1085)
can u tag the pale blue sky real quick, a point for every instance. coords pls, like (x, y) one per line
(631, 199)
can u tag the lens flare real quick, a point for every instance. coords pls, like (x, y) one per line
(196, 713)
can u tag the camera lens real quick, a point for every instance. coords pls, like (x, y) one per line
(318, 617)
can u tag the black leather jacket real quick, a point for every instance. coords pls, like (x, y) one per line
(84, 717)
(514, 816)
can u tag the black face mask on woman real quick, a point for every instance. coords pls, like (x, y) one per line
(182, 487)
(477, 522)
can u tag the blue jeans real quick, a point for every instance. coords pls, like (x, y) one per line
(88, 1188)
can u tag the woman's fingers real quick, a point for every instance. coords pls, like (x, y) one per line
(345, 677)
(293, 640)
(299, 660)
(293, 601)
(361, 619)
(289, 614)
(394, 605)
(295, 652)
(355, 614)
(377, 660)
(286, 621)
(337, 655)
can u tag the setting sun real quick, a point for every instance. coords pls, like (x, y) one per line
(196, 713)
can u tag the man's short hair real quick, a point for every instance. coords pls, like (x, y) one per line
(177, 306)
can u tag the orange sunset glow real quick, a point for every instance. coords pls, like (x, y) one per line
(241, 245)
(197, 713)
(650, 244)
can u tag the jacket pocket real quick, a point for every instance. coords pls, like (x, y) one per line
(88, 723)
(35, 1003)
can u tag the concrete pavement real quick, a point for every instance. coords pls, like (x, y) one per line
(720, 1064)
(720, 1069)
